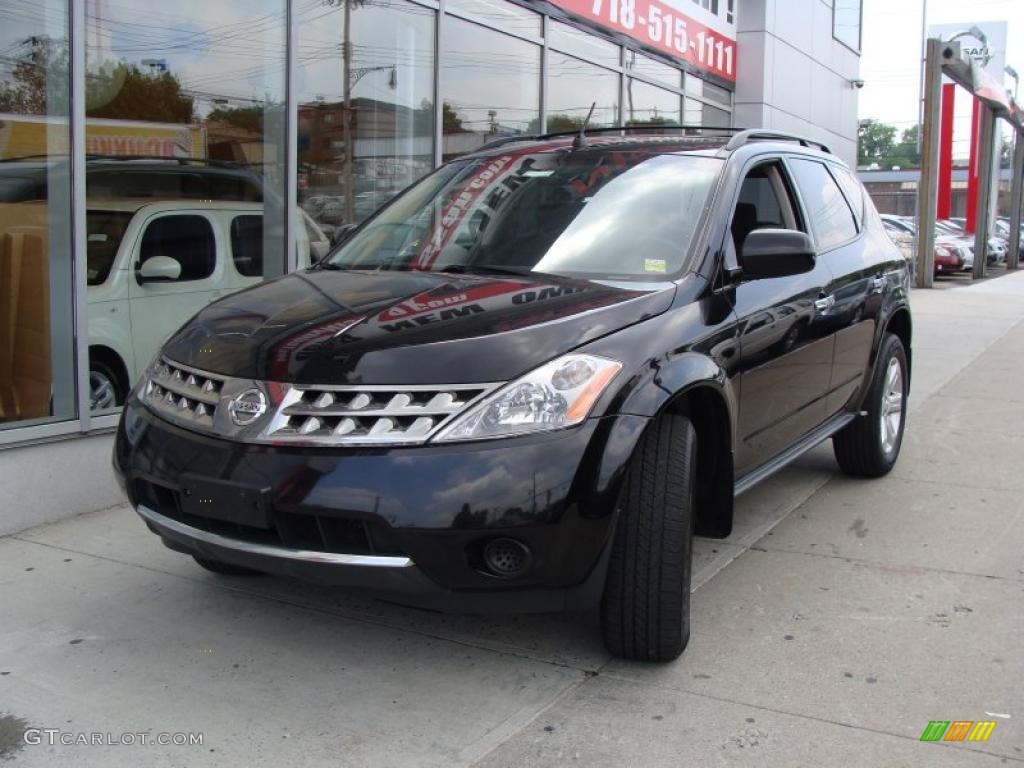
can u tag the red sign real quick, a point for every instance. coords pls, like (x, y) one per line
(660, 24)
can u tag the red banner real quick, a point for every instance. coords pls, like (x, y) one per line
(660, 24)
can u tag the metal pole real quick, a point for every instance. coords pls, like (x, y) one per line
(927, 187)
(986, 141)
(78, 201)
(291, 165)
(350, 202)
(1012, 258)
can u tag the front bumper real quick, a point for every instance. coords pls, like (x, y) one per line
(422, 514)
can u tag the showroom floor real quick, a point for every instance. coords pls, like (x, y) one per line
(838, 620)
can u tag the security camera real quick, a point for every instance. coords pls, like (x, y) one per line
(858, 84)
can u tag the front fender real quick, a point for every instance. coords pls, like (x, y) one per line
(668, 379)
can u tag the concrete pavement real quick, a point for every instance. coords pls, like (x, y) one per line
(838, 620)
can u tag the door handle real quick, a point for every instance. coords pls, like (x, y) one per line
(825, 303)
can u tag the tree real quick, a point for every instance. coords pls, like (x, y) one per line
(37, 84)
(906, 153)
(875, 142)
(123, 91)
(247, 118)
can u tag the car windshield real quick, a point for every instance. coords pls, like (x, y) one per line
(599, 213)
(104, 231)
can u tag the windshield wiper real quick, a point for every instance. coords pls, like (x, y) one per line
(485, 269)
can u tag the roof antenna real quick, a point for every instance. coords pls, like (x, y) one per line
(581, 137)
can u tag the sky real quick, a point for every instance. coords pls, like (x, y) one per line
(891, 55)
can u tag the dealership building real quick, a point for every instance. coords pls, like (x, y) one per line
(239, 139)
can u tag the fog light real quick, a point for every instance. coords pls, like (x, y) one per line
(506, 558)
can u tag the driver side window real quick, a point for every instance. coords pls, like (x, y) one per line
(764, 202)
(188, 239)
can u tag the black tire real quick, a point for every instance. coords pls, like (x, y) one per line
(860, 446)
(101, 374)
(225, 569)
(645, 611)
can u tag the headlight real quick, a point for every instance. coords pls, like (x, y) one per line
(558, 394)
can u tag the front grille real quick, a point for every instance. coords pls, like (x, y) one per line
(315, 533)
(367, 415)
(184, 394)
(305, 414)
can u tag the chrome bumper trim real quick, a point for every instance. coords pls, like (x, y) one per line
(303, 555)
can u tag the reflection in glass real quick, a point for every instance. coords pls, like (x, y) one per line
(697, 87)
(572, 40)
(37, 371)
(846, 21)
(574, 85)
(698, 113)
(645, 66)
(506, 16)
(185, 134)
(649, 105)
(598, 212)
(491, 87)
(378, 100)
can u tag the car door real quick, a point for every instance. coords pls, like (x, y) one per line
(158, 308)
(854, 296)
(785, 354)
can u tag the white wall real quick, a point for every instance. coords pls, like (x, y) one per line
(51, 481)
(793, 75)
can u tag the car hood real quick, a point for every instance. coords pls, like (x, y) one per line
(349, 327)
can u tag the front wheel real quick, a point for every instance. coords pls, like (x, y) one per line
(105, 388)
(645, 611)
(870, 444)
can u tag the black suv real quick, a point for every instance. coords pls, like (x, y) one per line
(526, 382)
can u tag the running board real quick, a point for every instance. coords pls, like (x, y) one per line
(795, 451)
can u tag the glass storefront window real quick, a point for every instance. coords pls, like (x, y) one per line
(506, 16)
(649, 105)
(37, 362)
(490, 85)
(381, 102)
(564, 37)
(698, 113)
(185, 134)
(846, 22)
(645, 66)
(697, 87)
(574, 85)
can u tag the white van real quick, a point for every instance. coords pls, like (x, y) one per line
(154, 264)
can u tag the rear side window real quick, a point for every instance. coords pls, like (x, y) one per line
(853, 191)
(188, 239)
(830, 216)
(247, 245)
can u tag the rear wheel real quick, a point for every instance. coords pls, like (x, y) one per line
(870, 444)
(645, 611)
(225, 569)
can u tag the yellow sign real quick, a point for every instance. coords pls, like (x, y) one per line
(33, 136)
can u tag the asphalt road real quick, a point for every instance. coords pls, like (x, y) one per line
(840, 618)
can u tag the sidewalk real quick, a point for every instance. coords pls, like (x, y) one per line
(838, 620)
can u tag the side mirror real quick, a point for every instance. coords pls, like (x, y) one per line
(341, 234)
(158, 269)
(776, 253)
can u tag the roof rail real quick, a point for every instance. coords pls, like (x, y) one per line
(756, 134)
(505, 140)
(684, 129)
(199, 161)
